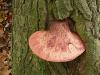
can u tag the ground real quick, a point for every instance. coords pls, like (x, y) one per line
(5, 36)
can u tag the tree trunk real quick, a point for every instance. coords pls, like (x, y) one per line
(30, 16)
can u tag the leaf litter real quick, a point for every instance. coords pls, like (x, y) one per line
(5, 36)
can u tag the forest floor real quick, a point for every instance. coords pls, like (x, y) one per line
(5, 36)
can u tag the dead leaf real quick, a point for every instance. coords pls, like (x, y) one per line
(1, 31)
(5, 71)
(3, 56)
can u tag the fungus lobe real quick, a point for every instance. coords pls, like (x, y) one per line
(57, 44)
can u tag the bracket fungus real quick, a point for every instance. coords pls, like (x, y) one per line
(57, 44)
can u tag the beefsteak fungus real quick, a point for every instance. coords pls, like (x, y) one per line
(57, 44)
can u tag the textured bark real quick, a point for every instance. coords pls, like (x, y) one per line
(29, 16)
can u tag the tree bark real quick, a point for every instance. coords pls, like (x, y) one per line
(30, 16)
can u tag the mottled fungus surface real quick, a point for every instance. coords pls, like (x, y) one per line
(57, 44)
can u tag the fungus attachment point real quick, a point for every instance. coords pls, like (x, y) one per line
(57, 44)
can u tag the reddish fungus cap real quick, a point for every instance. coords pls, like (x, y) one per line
(57, 44)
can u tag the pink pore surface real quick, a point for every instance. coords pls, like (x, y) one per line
(57, 45)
